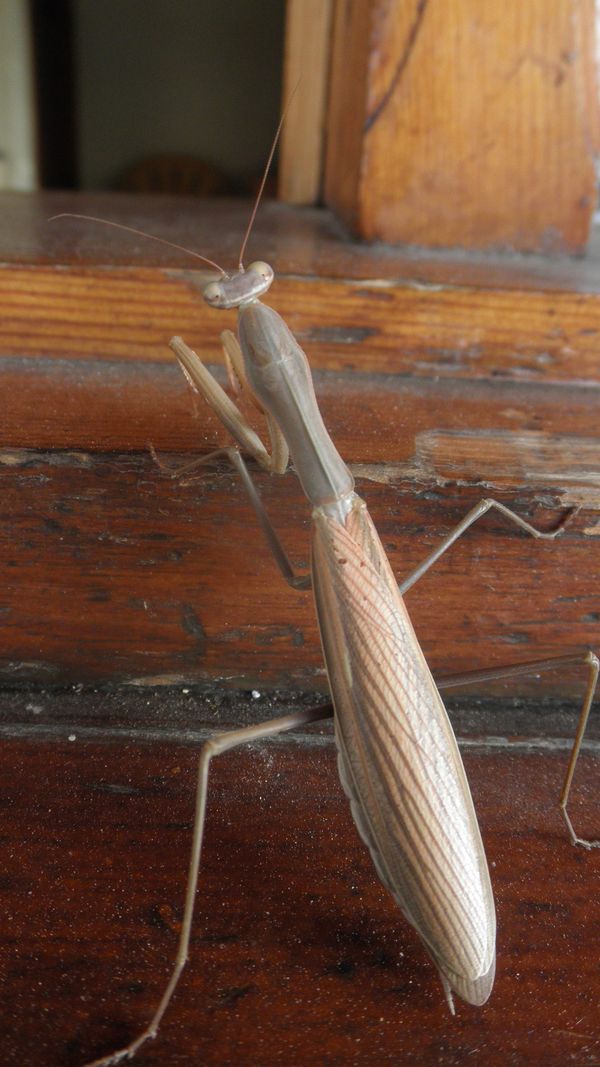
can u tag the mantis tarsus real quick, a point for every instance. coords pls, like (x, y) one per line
(398, 758)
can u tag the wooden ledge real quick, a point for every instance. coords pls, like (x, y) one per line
(442, 380)
(81, 291)
(298, 953)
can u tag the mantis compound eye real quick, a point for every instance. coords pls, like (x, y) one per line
(261, 270)
(213, 294)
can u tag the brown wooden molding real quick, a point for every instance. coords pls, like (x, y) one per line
(464, 124)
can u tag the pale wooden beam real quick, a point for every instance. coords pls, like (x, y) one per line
(306, 65)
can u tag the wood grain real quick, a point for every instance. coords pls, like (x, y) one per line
(393, 421)
(298, 953)
(66, 292)
(109, 570)
(424, 331)
(464, 123)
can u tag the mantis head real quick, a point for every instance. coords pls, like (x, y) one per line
(243, 287)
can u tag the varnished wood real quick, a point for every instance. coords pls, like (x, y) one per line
(303, 241)
(455, 333)
(464, 124)
(66, 292)
(89, 539)
(510, 433)
(109, 570)
(297, 950)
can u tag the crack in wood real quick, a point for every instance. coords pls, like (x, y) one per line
(400, 66)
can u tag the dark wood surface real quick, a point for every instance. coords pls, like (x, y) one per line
(441, 380)
(299, 956)
(111, 570)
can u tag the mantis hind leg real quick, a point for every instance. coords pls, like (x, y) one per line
(589, 658)
(538, 666)
(472, 516)
(217, 745)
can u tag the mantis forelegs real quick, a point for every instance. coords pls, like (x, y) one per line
(202, 381)
(297, 581)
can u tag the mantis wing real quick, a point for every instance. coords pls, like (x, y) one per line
(398, 758)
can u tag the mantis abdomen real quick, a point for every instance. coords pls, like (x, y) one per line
(398, 758)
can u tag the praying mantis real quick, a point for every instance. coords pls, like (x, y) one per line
(398, 759)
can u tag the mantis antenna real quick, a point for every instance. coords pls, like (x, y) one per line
(182, 248)
(261, 187)
(140, 233)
